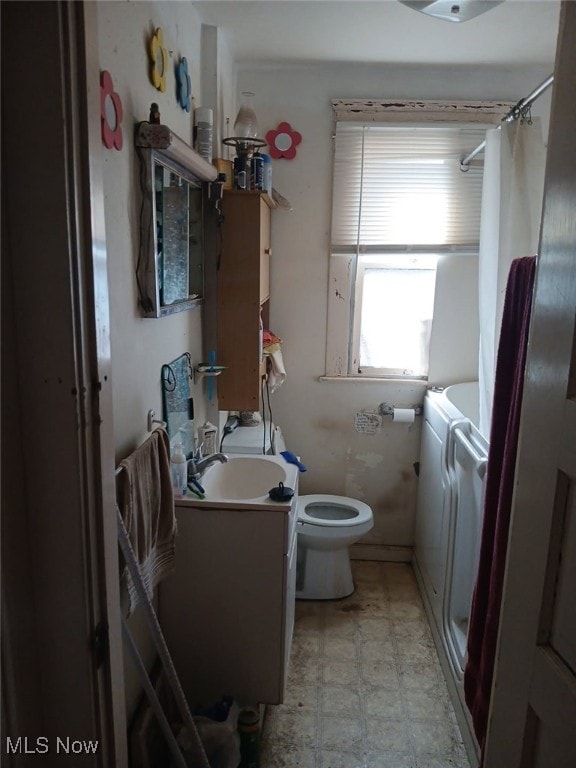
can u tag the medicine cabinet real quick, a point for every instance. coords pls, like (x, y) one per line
(243, 298)
(170, 267)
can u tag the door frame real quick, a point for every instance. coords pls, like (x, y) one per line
(536, 525)
(61, 637)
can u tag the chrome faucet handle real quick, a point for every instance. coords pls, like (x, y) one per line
(198, 452)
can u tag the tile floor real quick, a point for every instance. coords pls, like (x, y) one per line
(365, 688)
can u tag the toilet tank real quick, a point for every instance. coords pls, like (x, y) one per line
(261, 438)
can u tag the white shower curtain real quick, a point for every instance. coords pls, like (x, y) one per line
(512, 193)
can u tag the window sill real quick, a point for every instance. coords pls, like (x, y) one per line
(375, 380)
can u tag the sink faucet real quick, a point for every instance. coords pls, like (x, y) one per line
(197, 466)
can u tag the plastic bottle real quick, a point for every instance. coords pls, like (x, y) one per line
(257, 172)
(267, 173)
(179, 471)
(203, 118)
(249, 730)
(207, 435)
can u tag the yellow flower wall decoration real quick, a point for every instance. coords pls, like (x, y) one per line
(158, 60)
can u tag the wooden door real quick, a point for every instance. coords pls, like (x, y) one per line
(62, 669)
(532, 721)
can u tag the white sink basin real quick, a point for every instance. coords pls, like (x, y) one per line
(243, 477)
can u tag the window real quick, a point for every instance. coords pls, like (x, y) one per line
(400, 201)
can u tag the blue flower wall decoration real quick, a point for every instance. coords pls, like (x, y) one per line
(184, 84)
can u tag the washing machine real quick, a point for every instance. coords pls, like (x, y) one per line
(263, 438)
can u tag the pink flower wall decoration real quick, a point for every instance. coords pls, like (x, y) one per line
(110, 113)
(283, 141)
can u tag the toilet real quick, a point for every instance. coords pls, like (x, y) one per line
(327, 525)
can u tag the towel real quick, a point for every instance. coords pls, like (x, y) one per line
(274, 366)
(147, 507)
(507, 404)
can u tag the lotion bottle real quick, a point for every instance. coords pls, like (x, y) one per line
(207, 436)
(179, 471)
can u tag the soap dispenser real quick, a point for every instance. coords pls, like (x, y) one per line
(179, 471)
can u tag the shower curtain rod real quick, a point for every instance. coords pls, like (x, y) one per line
(518, 110)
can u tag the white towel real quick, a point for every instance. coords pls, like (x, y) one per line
(147, 507)
(275, 368)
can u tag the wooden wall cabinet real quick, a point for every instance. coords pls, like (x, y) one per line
(243, 298)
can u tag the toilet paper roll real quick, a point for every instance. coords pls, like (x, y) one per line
(403, 415)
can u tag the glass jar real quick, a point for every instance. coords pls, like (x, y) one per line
(246, 123)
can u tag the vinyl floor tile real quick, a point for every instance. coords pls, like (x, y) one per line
(298, 729)
(328, 758)
(341, 733)
(364, 687)
(389, 759)
(388, 735)
(281, 755)
(340, 700)
(384, 703)
(340, 671)
(300, 697)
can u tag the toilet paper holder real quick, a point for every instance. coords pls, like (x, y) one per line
(384, 409)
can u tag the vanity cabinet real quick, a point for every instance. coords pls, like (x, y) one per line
(227, 611)
(243, 298)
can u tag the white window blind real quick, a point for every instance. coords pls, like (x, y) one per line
(398, 187)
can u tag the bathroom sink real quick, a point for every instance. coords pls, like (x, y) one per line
(244, 477)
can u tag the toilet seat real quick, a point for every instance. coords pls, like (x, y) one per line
(352, 512)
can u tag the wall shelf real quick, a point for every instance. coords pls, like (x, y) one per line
(200, 371)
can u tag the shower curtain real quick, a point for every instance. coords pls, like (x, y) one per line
(512, 193)
(499, 489)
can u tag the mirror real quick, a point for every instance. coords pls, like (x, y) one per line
(170, 268)
(282, 142)
(178, 217)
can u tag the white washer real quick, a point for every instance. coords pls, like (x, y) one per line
(255, 439)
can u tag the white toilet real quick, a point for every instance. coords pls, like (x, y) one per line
(327, 525)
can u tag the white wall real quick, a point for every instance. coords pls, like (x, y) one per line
(141, 345)
(318, 417)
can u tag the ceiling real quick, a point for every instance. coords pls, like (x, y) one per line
(289, 32)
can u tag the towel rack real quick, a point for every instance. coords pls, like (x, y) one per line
(151, 421)
(154, 626)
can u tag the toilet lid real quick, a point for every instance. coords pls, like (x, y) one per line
(337, 511)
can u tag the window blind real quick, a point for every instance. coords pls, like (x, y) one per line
(402, 186)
